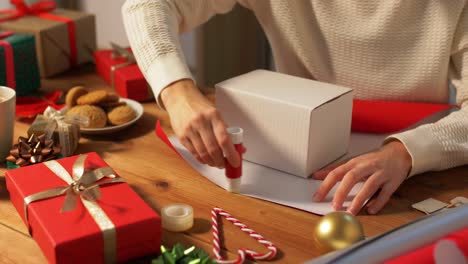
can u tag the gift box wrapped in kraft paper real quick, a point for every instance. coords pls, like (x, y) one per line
(64, 38)
(118, 68)
(55, 124)
(80, 211)
(291, 124)
(18, 63)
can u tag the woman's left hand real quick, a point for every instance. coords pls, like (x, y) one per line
(385, 169)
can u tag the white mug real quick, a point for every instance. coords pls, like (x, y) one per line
(7, 120)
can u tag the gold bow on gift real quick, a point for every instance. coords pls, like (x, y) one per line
(68, 128)
(119, 52)
(83, 184)
(54, 116)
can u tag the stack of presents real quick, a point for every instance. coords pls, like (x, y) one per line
(40, 41)
(93, 216)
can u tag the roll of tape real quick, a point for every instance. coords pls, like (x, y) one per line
(177, 217)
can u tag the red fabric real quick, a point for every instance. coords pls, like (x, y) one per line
(30, 106)
(41, 9)
(232, 172)
(129, 81)
(74, 237)
(425, 255)
(9, 60)
(382, 117)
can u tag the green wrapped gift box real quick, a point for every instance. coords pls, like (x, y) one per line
(21, 50)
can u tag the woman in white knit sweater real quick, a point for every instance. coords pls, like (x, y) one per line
(384, 50)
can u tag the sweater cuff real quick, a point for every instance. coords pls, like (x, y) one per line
(422, 147)
(165, 70)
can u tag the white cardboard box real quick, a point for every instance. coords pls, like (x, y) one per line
(291, 124)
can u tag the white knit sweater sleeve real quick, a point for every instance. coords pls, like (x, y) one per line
(444, 144)
(153, 28)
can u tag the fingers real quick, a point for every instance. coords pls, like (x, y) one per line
(330, 181)
(200, 149)
(350, 179)
(189, 146)
(385, 172)
(205, 141)
(206, 138)
(224, 141)
(211, 145)
(322, 173)
(198, 137)
(370, 187)
(383, 197)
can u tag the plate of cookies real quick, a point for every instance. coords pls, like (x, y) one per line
(106, 111)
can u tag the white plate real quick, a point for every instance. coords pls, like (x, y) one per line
(111, 129)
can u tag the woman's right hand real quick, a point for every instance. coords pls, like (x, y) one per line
(198, 125)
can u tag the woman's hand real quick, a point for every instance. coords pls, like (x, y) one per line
(383, 169)
(198, 124)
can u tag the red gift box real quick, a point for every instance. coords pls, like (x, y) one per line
(76, 236)
(128, 81)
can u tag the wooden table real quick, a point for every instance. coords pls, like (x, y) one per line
(162, 178)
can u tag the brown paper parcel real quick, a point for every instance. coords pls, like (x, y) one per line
(52, 39)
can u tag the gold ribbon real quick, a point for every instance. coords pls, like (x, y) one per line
(117, 53)
(57, 119)
(83, 184)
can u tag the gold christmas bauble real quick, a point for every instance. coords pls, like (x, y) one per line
(338, 230)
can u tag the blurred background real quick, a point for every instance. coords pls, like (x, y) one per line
(226, 46)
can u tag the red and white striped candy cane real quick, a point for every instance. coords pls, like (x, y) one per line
(242, 252)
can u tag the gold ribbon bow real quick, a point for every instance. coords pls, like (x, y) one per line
(83, 184)
(68, 128)
(119, 52)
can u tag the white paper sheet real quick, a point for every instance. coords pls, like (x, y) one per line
(279, 187)
(275, 186)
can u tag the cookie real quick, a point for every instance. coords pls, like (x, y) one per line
(97, 116)
(112, 98)
(112, 104)
(121, 115)
(73, 95)
(93, 98)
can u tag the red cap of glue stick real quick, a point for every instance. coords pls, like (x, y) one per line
(233, 175)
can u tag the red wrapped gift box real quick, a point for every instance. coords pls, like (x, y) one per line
(75, 236)
(129, 81)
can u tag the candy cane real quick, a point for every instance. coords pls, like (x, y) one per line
(242, 252)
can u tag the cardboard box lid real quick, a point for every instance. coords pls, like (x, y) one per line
(285, 88)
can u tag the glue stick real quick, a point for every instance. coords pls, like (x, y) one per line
(233, 175)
